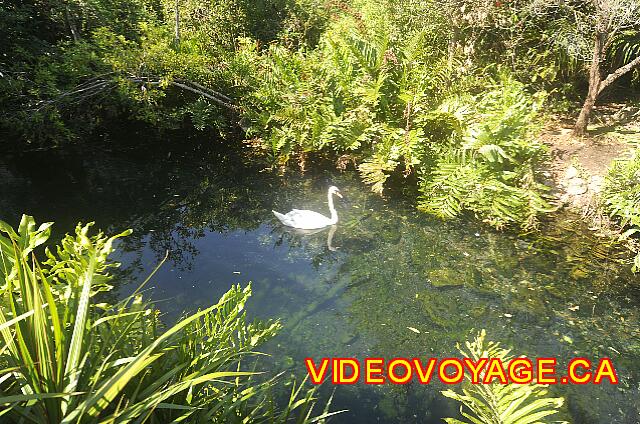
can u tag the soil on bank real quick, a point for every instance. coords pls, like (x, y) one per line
(578, 166)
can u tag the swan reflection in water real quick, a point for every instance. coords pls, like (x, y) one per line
(330, 233)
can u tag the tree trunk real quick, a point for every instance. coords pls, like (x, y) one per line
(597, 84)
(580, 128)
(177, 33)
(72, 25)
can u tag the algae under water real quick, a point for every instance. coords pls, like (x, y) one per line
(561, 293)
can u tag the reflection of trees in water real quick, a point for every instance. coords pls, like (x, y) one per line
(220, 197)
(215, 197)
(169, 200)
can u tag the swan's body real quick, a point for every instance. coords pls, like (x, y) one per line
(310, 220)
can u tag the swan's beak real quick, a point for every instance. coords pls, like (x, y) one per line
(339, 195)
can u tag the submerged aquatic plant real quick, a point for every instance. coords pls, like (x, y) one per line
(498, 403)
(67, 358)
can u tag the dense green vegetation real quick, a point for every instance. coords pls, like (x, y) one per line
(70, 356)
(450, 96)
(622, 198)
(447, 98)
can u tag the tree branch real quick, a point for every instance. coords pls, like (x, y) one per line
(618, 73)
(99, 84)
(78, 93)
(203, 88)
(204, 94)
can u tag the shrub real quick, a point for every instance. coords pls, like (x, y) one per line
(488, 166)
(621, 197)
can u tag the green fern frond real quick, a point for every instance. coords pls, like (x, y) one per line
(621, 197)
(498, 403)
(375, 172)
(624, 48)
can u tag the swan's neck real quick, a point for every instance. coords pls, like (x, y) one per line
(332, 209)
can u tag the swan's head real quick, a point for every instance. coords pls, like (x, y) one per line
(335, 190)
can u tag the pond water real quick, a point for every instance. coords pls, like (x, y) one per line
(564, 293)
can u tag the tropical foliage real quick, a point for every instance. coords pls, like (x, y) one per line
(500, 403)
(621, 198)
(70, 356)
(445, 96)
(384, 102)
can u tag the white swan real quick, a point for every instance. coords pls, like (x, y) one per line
(310, 220)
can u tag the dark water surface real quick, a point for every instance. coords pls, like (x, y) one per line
(562, 294)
